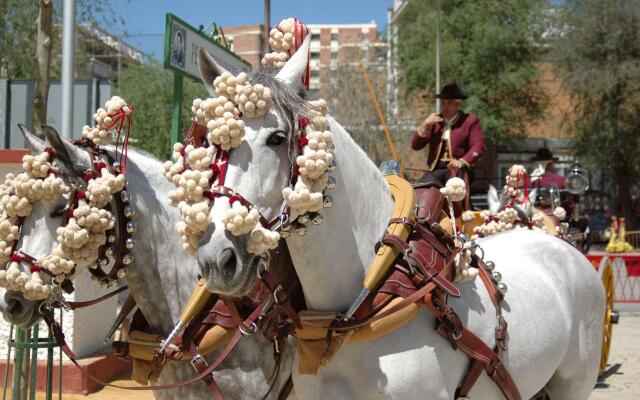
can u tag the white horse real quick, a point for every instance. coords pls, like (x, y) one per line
(554, 306)
(161, 279)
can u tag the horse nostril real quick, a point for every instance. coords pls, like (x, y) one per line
(227, 261)
(14, 306)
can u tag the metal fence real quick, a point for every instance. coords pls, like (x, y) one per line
(16, 97)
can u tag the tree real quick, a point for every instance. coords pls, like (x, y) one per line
(149, 88)
(489, 47)
(18, 32)
(597, 53)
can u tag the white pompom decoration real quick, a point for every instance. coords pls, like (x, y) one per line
(239, 220)
(262, 240)
(455, 189)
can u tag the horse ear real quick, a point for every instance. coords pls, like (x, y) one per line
(65, 150)
(34, 143)
(292, 71)
(209, 70)
(493, 200)
(532, 196)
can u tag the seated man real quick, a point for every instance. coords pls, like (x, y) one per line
(455, 139)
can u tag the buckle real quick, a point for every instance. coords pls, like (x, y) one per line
(248, 330)
(277, 290)
(198, 358)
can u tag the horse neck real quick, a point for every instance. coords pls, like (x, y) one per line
(163, 274)
(333, 257)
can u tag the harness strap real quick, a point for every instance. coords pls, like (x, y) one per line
(56, 330)
(81, 304)
(280, 297)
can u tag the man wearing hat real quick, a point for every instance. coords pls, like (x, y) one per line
(543, 173)
(455, 139)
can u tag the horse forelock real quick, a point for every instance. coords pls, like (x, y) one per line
(288, 102)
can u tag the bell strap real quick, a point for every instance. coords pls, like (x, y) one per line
(280, 297)
(74, 305)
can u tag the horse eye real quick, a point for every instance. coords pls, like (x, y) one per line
(276, 138)
(58, 211)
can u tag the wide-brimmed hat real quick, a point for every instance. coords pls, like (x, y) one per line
(543, 154)
(451, 92)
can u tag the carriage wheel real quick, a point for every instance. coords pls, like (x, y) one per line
(606, 274)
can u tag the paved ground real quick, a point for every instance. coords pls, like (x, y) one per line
(622, 379)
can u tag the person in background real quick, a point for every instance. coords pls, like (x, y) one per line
(455, 138)
(544, 174)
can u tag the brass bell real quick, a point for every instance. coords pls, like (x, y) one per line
(130, 243)
(327, 201)
(496, 276)
(112, 238)
(108, 252)
(300, 229)
(125, 196)
(129, 211)
(490, 265)
(304, 218)
(127, 259)
(131, 227)
(331, 182)
(104, 261)
(104, 284)
(316, 218)
(122, 273)
(332, 166)
(502, 288)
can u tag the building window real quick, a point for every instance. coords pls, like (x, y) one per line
(315, 74)
(334, 37)
(315, 36)
(315, 56)
(334, 54)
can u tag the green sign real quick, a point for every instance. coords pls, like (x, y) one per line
(181, 45)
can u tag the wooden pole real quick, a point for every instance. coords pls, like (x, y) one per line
(44, 43)
(374, 98)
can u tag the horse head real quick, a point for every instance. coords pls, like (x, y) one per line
(258, 170)
(38, 228)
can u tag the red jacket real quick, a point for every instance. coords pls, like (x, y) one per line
(467, 140)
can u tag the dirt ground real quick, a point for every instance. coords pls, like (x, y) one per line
(621, 381)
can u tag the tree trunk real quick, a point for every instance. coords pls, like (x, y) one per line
(624, 203)
(43, 61)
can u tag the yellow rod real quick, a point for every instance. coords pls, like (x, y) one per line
(374, 98)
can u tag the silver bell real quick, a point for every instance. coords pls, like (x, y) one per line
(332, 166)
(316, 218)
(129, 211)
(122, 273)
(104, 284)
(331, 182)
(327, 201)
(496, 276)
(125, 196)
(130, 243)
(464, 236)
(131, 227)
(104, 262)
(127, 259)
(490, 265)
(112, 238)
(502, 288)
(108, 252)
(300, 229)
(304, 218)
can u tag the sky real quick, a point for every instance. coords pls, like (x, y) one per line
(145, 19)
